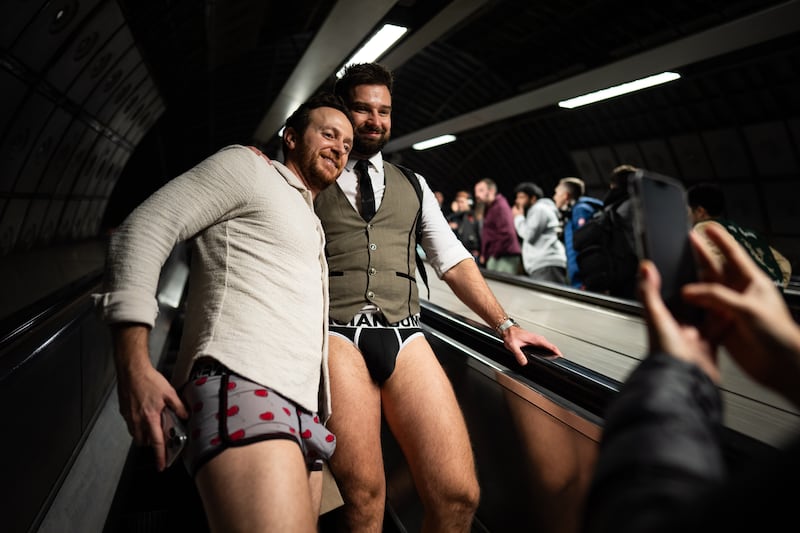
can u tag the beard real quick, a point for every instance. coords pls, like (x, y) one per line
(317, 172)
(366, 146)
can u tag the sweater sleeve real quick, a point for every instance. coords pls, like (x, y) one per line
(531, 226)
(660, 449)
(182, 208)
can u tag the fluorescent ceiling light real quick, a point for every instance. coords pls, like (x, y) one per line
(617, 90)
(376, 46)
(436, 141)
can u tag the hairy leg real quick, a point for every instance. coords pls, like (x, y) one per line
(357, 462)
(315, 488)
(425, 418)
(258, 487)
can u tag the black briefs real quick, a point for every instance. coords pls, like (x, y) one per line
(378, 340)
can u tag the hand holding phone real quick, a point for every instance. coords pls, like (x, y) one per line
(661, 227)
(175, 435)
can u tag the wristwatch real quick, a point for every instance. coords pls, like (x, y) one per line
(505, 324)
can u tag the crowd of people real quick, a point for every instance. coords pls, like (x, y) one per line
(538, 236)
(302, 333)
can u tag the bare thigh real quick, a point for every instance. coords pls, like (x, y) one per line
(355, 418)
(315, 489)
(425, 418)
(259, 487)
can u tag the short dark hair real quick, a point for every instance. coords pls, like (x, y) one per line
(362, 74)
(575, 186)
(620, 175)
(490, 183)
(529, 188)
(300, 118)
(708, 196)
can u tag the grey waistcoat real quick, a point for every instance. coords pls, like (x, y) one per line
(371, 262)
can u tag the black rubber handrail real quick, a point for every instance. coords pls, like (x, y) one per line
(30, 317)
(582, 386)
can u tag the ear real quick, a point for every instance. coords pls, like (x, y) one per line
(699, 213)
(290, 138)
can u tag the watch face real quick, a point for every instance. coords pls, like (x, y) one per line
(509, 322)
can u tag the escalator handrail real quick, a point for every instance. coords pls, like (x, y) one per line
(583, 387)
(27, 319)
(570, 381)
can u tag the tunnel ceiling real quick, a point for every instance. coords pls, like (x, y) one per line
(200, 75)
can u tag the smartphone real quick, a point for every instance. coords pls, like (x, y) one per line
(661, 228)
(175, 436)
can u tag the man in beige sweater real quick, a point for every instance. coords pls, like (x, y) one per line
(253, 356)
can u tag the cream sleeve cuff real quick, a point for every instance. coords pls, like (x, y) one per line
(126, 306)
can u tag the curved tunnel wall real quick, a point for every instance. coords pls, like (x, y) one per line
(77, 99)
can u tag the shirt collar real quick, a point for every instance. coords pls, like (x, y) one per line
(376, 161)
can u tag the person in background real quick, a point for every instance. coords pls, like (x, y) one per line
(604, 245)
(537, 222)
(707, 208)
(381, 365)
(252, 363)
(440, 198)
(661, 466)
(465, 224)
(576, 208)
(500, 247)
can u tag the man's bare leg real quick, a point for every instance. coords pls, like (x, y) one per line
(315, 488)
(425, 418)
(258, 487)
(357, 462)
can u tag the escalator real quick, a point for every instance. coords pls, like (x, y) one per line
(534, 429)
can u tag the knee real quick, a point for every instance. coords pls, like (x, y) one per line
(467, 500)
(362, 490)
(456, 501)
(364, 496)
(452, 511)
(363, 505)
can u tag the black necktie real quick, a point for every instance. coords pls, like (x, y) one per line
(365, 189)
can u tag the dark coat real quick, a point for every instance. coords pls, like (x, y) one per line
(662, 466)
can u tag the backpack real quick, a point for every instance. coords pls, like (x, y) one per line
(412, 177)
(573, 218)
(757, 248)
(606, 260)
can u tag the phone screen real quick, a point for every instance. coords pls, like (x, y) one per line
(662, 226)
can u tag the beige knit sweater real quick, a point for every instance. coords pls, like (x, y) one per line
(258, 284)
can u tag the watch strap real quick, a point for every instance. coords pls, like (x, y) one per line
(505, 324)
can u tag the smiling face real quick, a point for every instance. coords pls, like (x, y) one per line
(320, 154)
(371, 107)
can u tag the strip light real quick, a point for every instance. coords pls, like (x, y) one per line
(376, 46)
(436, 141)
(611, 92)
